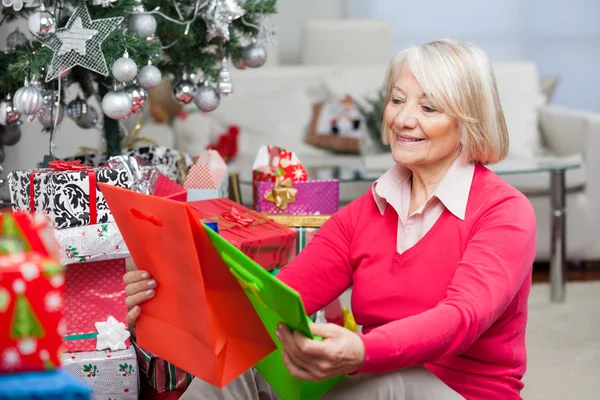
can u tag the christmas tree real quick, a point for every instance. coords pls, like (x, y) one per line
(117, 50)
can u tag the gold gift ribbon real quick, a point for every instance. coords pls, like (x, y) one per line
(282, 194)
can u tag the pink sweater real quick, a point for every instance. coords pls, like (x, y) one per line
(455, 302)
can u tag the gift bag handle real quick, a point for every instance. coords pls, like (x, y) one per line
(150, 218)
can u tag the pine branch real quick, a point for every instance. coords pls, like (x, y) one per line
(373, 113)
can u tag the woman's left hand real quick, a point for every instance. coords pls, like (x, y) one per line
(340, 352)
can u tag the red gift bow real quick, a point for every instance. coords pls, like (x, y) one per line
(63, 165)
(235, 216)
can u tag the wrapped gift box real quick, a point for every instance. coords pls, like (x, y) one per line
(50, 385)
(266, 242)
(161, 375)
(67, 192)
(91, 243)
(208, 178)
(171, 163)
(31, 305)
(111, 374)
(170, 189)
(95, 291)
(297, 198)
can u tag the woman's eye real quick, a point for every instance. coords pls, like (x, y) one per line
(428, 109)
(397, 101)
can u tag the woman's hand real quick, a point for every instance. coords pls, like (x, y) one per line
(340, 352)
(139, 289)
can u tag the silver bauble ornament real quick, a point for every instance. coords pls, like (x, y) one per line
(124, 69)
(138, 96)
(149, 77)
(255, 55)
(28, 100)
(51, 115)
(183, 91)
(238, 63)
(41, 23)
(224, 82)
(88, 120)
(207, 98)
(10, 135)
(142, 24)
(77, 108)
(15, 40)
(8, 112)
(116, 105)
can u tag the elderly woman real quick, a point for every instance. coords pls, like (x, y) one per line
(438, 252)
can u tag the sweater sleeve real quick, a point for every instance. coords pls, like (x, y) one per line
(497, 260)
(322, 271)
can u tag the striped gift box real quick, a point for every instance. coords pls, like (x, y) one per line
(304, 235)
(160, 374)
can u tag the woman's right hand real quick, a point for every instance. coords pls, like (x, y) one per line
(140, 287)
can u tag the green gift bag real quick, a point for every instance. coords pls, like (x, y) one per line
(274, 302)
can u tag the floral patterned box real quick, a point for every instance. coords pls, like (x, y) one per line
(111, 374)
(91, 243)
(68, 192)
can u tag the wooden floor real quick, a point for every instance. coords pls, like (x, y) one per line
(587, 272)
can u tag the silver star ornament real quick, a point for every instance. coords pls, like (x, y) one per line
(79, 43)
(219, 14)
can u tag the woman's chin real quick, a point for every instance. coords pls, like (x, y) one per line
(404, 157)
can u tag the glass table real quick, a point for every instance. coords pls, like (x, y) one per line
(556, 167)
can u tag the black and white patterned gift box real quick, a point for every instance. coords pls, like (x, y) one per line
(65, 194)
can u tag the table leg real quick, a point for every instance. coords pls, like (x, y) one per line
(558, 260)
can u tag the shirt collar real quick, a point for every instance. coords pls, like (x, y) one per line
(453, 190)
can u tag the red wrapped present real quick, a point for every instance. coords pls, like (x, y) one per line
(31, 305)
(169, 189)
(95, 292)
(265, 241)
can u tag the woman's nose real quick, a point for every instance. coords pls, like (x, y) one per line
(406, 117)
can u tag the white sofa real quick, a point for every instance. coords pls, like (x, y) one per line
(273, 106)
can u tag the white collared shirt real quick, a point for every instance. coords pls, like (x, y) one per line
(394, 188)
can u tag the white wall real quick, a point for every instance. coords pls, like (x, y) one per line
(562, 37)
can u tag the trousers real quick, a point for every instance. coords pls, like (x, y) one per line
(408, 384)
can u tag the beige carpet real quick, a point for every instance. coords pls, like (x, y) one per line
(563, 343)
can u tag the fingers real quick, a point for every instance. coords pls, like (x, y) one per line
(133, 315)
(291, 343)
(139, 298)
(324, 330)
(295, 370)
(140, 286)
(135, 276)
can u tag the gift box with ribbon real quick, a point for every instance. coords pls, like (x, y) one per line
(208, 178)
(31, 295)
(284, 196)
(111, 374)
(161, 375)
(91, 243)
(266, 242)
(95, 310)
(67, 192)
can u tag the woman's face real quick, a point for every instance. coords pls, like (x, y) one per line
(419, 134)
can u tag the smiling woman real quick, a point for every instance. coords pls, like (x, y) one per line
(438, 253)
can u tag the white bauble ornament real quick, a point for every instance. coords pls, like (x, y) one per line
(124, 69)
(142, 24)
(41, 23)
(207, 98)
(255, 55)
(28, 100)
(149, 77)
(116, 105)
(8, 112)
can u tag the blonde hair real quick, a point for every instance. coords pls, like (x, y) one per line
(458, 78)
